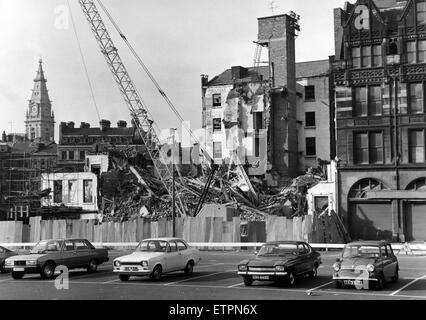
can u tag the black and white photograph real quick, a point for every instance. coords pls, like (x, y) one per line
(211, 153)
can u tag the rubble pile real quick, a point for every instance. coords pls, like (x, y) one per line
(128, 195)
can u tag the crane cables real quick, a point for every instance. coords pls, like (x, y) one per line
(150, 75)
(84, 61)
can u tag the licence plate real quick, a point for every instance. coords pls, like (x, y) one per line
(19, 269)
(260, 277)
(131, 269)
(349, 282)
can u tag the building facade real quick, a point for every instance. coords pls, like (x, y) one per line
(40, 119)
(275, 117)
(379, 74)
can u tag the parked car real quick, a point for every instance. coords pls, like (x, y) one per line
(155, 257)
(367, 264)
(48, 254)
(4, 254)
(281, 262)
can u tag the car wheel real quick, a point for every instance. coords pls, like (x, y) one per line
(124, 278)
(338, 284)
(248, 281)
(314, 273)
(156, 274)
(395, 278)
(379, 283)
(48, 271)
(93, 266)
(291, 279)
(189, 269)
(18, 275)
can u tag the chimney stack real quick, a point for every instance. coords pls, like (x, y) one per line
(4, 136)
(122, 124)
(105, 125)
(71, 125)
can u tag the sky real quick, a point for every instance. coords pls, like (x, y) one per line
(177, 39)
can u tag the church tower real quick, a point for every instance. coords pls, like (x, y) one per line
(40, 119)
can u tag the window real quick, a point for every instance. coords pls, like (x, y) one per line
(366, 56)
(80, 245)
(311, 148)
(361, 101)
(361, 148)
(88, 191)
(258, 121)
(71, 155)
(82, 155)
(417, 146)
(217, 150)
(421, 51)
(377, 56)
(172, 247)
(181, 245)
(411, 52)
(376, 147)
(416, 98)
(69, 246)
(217, 100)
(375, 100)
(310, 119)
(310, 93)
(57, 191)
(72, 191)
(64, 155)
(217, 124)
(356, 57)
(421, 12)
(321, 204)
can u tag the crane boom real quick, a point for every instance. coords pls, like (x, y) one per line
(138, 111)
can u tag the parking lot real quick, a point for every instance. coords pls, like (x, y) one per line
(214, 278)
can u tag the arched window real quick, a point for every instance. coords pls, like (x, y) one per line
(417, 185)
(361, 187)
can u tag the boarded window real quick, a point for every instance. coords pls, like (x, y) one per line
(217, 150)
(310, 119)
(311, 147)
(88, 191)
(217, 100)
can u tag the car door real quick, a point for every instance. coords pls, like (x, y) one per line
(184, 252)
(68, 255)
(394, 261)
(310, 258)
(386, 262)
(173, 259)
(82, 253)
(301, 261)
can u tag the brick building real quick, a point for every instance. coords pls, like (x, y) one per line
(77, 142)
(277, 114)
(379, 73)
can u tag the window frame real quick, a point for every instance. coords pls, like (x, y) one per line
(312, 121)
(410, 100)
(410, 146)
(368, 147)
(368, 101)
(311, 90)
(306, 146)
(217, 100)
(418, 22)
(363, 50)
(215, 128)
(214, 150)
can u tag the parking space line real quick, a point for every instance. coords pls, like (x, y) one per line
(111, 281)
(319, 287)
(194, 278)
(209, 265)
(407, 285)
(236, 285)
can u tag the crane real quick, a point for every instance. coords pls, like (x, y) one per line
(138, 111)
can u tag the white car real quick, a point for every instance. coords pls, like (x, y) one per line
(155, 257)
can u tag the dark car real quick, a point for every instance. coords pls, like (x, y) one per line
(4, 254)
(366, 265)
(48, 254)
(281, 262)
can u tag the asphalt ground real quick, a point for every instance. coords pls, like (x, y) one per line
(215, 278)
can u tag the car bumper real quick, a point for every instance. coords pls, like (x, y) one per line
(29, 269)
(263, 276)
(359, 279)
(139, 272)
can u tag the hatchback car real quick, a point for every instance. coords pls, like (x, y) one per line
(48, 254)
(367, 265)
(155, 257)
(4, 254)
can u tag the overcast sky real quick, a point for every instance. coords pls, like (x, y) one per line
(178, 40)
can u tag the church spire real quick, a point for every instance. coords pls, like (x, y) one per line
(40, 92)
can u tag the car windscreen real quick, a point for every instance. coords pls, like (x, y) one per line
(152, 246)
(361, 251)
(46, 247)
(278, 249)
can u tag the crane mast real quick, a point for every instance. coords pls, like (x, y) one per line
(138, 111)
